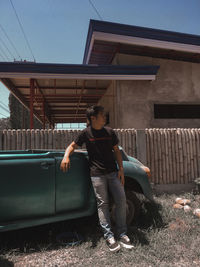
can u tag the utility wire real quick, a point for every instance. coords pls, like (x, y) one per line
(4, 108)
(7, 48)
(3, 57)
(3, 104)
(3, 115)
(23, 31)
(10, 41)
(90, 1)
(4, 54)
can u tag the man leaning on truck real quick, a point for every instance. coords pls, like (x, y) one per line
(100, 142)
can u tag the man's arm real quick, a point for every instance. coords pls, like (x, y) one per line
(65, 163)
(120, 163)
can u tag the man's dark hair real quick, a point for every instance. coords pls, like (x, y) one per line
(93, 111)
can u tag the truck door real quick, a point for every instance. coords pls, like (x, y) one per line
(27, 186)
(73, 188)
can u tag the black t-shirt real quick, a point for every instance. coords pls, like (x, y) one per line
(99, 144)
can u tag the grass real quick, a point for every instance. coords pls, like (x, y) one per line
(163, 236)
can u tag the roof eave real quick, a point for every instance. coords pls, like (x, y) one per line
(127, 34)
(147, 76)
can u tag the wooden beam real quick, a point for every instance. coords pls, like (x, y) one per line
(63, 88)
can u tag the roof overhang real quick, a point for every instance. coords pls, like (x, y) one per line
(79, 76)
(66, 90)
(116, 36)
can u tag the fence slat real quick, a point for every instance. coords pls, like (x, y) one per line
(184, 155)
(23, 140)
(173, 155)
(19, 140)
(197, 132)
(194, 153)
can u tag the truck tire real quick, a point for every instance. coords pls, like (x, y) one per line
(132, 208)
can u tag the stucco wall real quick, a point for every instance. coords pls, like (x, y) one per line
(177, 82)
(108, 101)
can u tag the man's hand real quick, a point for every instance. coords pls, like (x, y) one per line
(120, 163)
(65, 164)
(121, 175)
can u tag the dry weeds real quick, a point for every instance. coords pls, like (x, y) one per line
(163, 236)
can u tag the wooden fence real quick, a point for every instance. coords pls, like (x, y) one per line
(56, 139)
(173, 155)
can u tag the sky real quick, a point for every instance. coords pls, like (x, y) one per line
(56, 30)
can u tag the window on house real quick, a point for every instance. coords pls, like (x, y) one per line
(171, 111)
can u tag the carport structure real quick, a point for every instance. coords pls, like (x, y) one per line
(61, 93)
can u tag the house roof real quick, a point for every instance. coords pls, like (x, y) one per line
(66, 90)
(105, 39)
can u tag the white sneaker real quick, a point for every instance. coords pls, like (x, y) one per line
(125, 242)
(112, 244)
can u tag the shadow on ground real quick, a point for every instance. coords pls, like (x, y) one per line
(5, 263)
(149, 218)
(44, 237)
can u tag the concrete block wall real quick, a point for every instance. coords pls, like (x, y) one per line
(177, 82)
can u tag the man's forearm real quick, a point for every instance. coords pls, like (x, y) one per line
(119, 159)
(70, 149)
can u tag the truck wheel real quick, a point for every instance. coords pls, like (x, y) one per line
(132, 208)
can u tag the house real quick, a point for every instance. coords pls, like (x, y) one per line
(145, 78)
(171, 99)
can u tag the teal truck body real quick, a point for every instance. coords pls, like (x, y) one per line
(34, 191)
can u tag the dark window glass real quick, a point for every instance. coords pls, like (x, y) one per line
(170, 111)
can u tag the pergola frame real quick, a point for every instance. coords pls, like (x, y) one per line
(71, 89)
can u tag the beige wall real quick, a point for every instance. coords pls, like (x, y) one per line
(176, 82)
(108, 101)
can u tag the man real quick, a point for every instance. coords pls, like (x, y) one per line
(100, 143)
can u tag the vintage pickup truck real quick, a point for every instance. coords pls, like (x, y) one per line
(34, 191)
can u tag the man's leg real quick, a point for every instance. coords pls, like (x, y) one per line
(101, 191)
(100, 186)
(119, 197)
(118, 194)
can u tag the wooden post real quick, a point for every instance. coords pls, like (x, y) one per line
(155, 144)
(194, 143)
(191, 155)
(151, 154)
(159, 157)
(9, 140)
(185, 178)
(163, 159)
(180, 155)
(188, 155)
(50, 139)
(23, 139)
(19, 139)
(198, 150)
(141, 146)
(37, 139)
(28, 139)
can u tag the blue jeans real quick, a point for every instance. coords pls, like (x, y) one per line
(101, 186)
